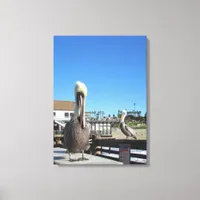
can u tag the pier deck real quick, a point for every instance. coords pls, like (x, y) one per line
(62, 158)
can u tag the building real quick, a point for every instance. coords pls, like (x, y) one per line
(133, 113)
(63, 110)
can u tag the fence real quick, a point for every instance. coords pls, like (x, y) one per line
(101, 128)
(109, 148)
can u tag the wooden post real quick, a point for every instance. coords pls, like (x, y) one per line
(93, 146)
(95, 123)
(91, 124)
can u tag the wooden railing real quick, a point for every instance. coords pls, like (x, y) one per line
(102, 128)
(109, 148)
(97, 127)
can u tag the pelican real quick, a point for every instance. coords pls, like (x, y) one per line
(76, 131)
(128, 131)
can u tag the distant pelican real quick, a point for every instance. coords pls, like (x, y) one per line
(128, 131)
(76, 131)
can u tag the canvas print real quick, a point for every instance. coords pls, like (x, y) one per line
(100, 100)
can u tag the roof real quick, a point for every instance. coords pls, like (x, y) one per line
(64, 105)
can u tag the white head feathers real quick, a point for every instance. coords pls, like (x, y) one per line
(81, 87)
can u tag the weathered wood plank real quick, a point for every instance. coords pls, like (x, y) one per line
(117, 159)
(135, 144)
(110, 151)
(63, 159)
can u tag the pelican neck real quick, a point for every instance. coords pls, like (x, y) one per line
(122, 118)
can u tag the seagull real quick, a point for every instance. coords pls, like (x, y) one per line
(128, 131)
(76, 131)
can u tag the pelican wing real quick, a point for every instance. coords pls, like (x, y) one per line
(131, 130)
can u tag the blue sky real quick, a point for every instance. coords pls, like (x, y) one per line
(112, 67)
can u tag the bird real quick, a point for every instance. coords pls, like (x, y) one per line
(126, 130)
(76, 131)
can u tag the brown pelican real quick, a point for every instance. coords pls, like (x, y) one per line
(76, 131)
(128, 131)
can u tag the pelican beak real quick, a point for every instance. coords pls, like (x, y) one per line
(81, 105)
(82, 114)
(81, 93)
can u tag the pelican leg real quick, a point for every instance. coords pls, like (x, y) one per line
(135, 137)
(83, 158)
(70, 156)
(82, 154)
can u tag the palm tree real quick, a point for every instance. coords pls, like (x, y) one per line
(98, 113)
(119, 113)
(92, 113)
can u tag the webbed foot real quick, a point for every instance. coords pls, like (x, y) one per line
(83, 158)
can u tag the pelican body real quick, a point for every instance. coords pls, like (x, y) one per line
(76, 131)
(126, 130)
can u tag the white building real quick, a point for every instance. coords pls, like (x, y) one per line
(63, 110)
(62, 113)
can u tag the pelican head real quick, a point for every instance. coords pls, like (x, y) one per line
(80, 96)
(124, 112)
